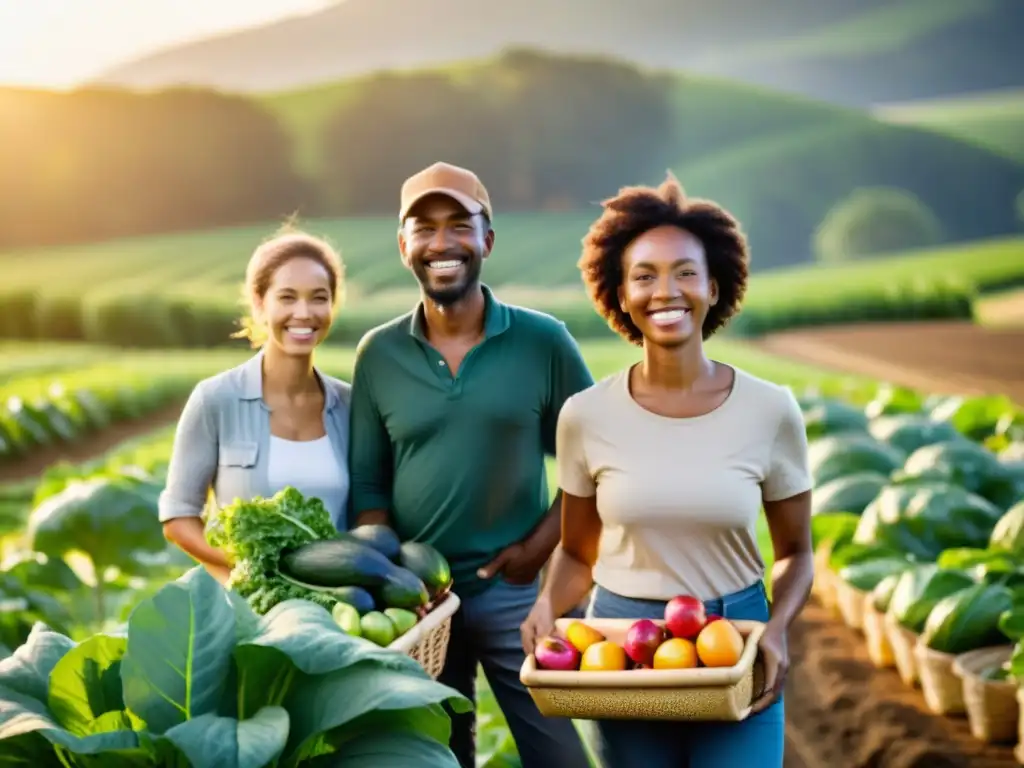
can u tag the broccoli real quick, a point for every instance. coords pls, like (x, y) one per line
(255, 534)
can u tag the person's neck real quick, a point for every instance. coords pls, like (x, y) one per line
(676, 368)
(288, 375)
(463, 318)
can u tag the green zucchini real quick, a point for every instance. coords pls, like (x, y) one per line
(427, 563)
(337, 563)
(380, 537)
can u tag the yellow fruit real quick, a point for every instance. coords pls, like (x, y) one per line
(603, 656)
(582, 636)
(719, 644)
(677, 653)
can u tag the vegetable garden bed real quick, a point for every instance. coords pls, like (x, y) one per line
(919, 533)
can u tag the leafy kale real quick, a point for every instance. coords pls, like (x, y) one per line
(255, 534)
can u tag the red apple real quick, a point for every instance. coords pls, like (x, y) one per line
(712, 617)
(685, 616)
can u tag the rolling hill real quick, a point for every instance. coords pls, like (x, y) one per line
(780, 162)
(836, 50)
(992, 120)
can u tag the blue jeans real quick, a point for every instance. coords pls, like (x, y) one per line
(485, 630)
(756, 742)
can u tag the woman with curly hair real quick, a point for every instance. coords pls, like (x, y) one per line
(666, 465)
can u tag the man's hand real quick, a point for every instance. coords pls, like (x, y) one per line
(518, 563)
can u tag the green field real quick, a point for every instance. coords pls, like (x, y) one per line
(994, 120)
(183, 289)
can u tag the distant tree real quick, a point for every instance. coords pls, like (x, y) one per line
(101, 163)
(874, 220)
(542, 131)
(1020, 207)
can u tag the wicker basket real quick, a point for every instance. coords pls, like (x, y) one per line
(427, 641)
(903, 642)
(851, 604)
(1018, 751)
(943, 690)
(992, 708)
(879, 647)
(705, 694)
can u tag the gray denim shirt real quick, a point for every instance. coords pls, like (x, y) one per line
(223, 437)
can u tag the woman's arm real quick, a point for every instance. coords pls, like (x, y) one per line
(192, 468)
(786, 495)
(793, 570)
(189, 534)
(570, 575)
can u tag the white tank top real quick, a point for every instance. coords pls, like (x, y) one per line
(310, 467)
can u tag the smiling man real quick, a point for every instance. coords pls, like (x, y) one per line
(454, 407)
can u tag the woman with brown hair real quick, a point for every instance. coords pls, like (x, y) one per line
(666, 465)
(275, 420)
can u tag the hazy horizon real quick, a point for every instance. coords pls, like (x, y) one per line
(60, 43)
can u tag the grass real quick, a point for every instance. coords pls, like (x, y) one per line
(993, 120)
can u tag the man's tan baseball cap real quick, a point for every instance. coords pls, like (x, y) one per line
(460, 184)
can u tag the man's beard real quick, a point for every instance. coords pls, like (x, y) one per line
(446, 296)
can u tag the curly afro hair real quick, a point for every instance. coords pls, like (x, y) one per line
(636, 210)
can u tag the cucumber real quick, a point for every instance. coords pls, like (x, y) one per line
(402, 589)
(357, 597)
(337, 563)
(380, 537)
(427, 563)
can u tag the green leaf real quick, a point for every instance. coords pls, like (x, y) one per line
(320, 704)
(389, 749)
(229, 743)
(307, 635)
(106, 518)
(46, 573)
(27, 670)
(180, 643)
(20, 715)
(86, 683)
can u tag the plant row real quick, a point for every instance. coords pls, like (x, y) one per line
(919, 532)
(61, 407)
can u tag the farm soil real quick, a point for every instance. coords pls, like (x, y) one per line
(957, 358)
(90, 446)
(843, 712)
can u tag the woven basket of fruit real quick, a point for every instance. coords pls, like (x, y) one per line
(617, 669)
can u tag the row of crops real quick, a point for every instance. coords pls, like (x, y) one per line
(51, 403)
(193, 301)
(919, 535)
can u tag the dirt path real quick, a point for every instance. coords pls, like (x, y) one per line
(843, 712)
(958, 358)
(89, 446)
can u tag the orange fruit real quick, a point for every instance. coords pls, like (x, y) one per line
(582, 636)
(676, 653)
(603, 656)
(720, 644)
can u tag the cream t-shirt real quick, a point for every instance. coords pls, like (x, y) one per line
(679, 498)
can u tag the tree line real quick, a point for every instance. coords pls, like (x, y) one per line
(544, 131)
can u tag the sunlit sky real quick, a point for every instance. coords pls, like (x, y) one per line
(58, 43)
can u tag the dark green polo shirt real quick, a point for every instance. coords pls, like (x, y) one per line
(458, 462)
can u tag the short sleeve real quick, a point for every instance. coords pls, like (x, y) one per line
(573, 473)
(788, 471)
